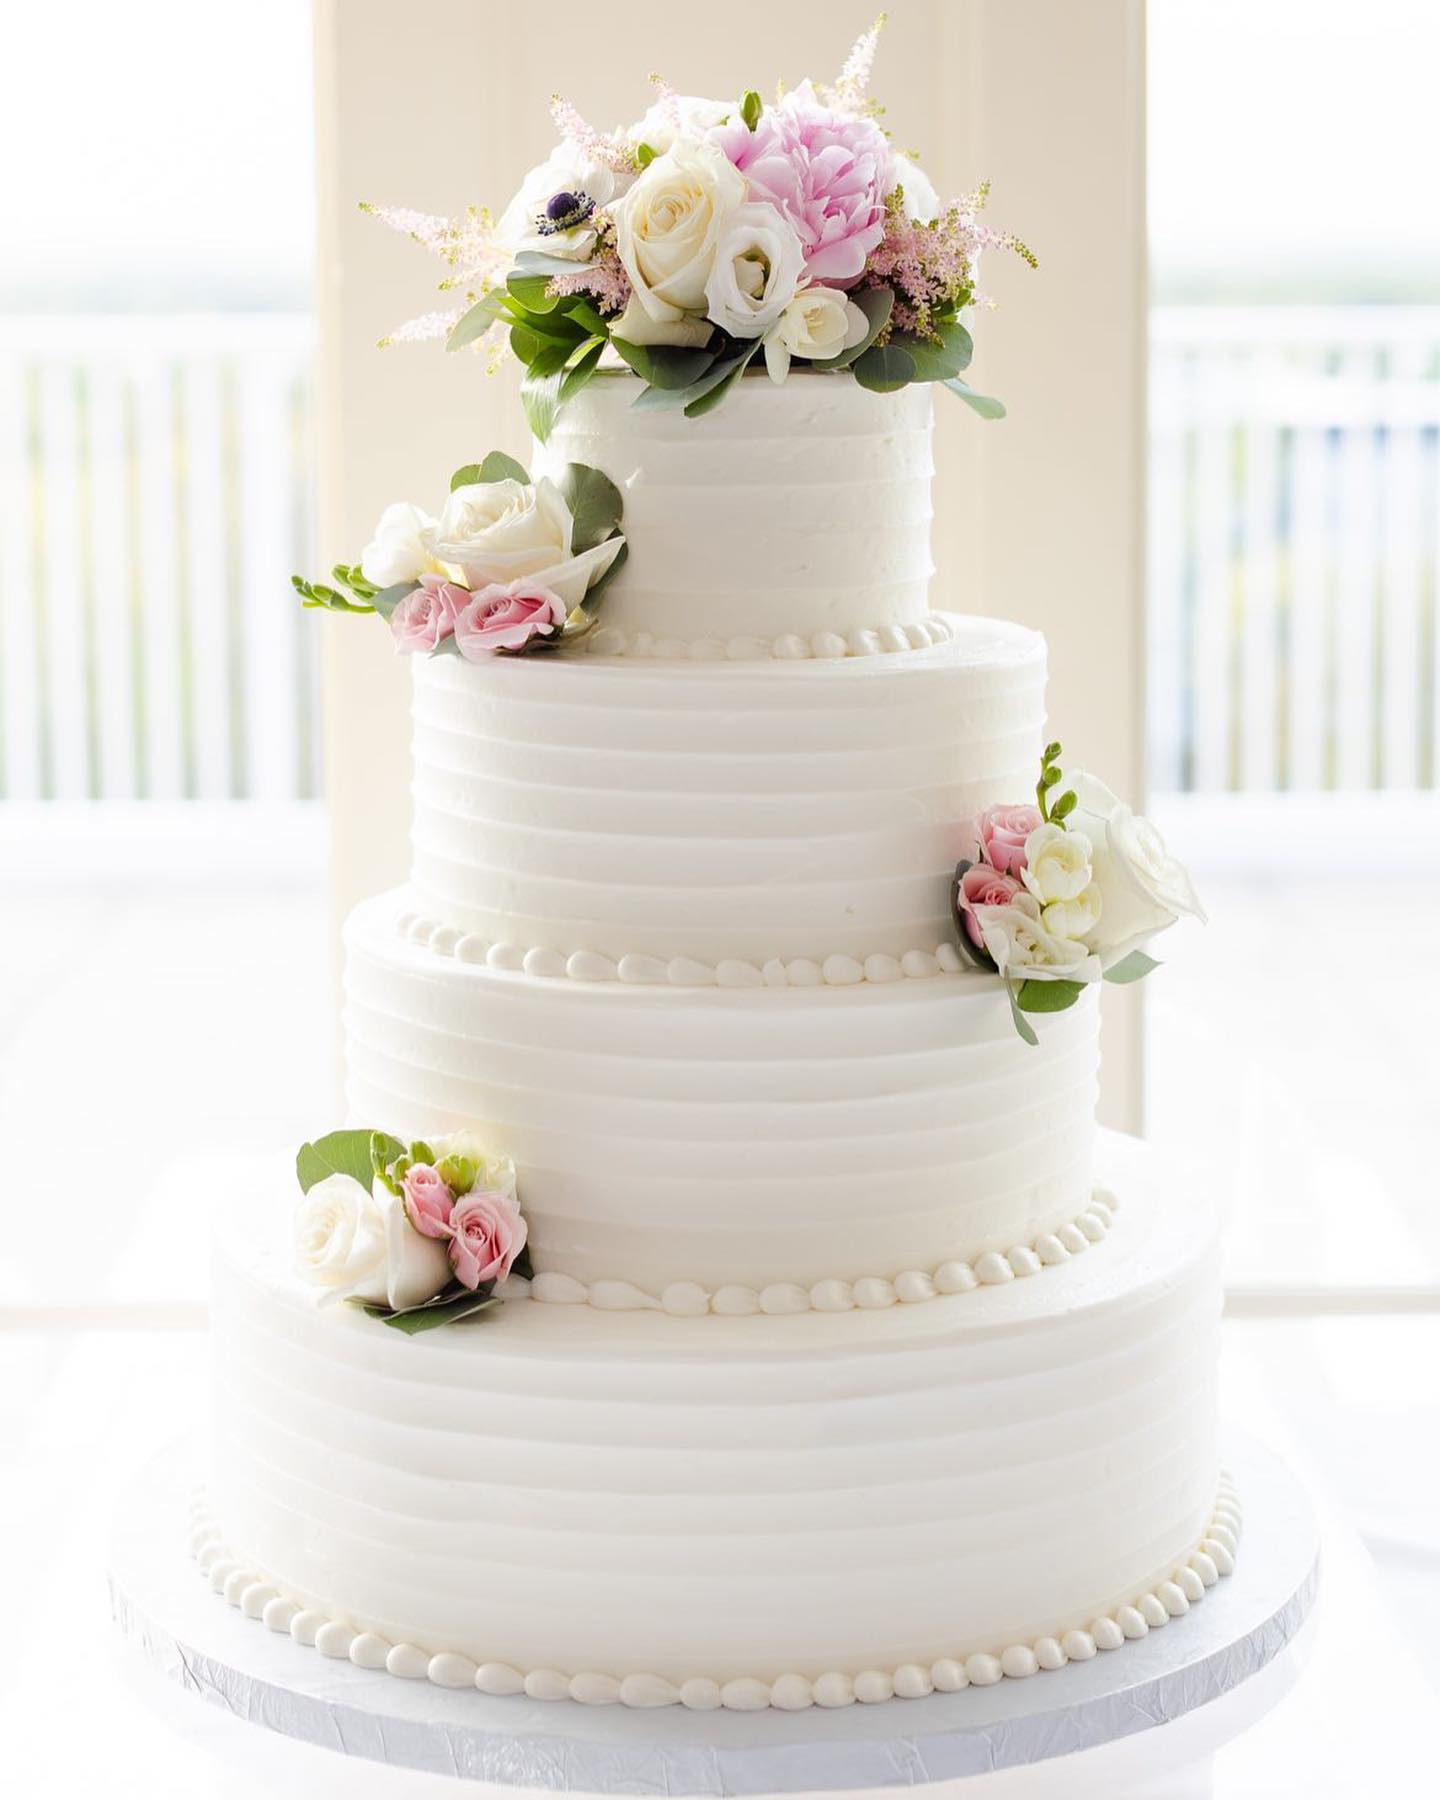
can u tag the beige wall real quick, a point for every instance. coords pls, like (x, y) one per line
(1038, 518)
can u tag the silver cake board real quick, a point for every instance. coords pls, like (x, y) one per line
(166, 1608)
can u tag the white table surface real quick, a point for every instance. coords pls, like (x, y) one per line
(1346, 1711)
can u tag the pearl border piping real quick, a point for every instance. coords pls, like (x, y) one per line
(790, 646)
(689, 1299)
(260, 1599)
(637, 970)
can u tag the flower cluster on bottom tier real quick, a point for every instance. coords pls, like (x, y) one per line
(260, 1599)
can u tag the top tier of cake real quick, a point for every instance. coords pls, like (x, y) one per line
(799, 511)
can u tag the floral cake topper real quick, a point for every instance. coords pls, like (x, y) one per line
(418, 1236)
(510, 565)
(1065, 893)
(710, 234)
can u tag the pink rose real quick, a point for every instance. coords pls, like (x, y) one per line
(981, 885)
(1003, 831)
(487, 1234)
(827, 172)
(427, 616)
(428, 1201)
(506, 615)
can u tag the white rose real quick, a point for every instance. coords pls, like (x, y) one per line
(1143, 888)
(659, 128)
(564, 171)
(401, 549)
(668, 226)
(498, 531)
(340, 1236)
(758, 264)
(358, 1242)
(635, 326)
(1057, 863)
(1021, 947)
(816, 323)
(919, 197)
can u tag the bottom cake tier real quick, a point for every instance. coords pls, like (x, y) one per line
(741, 1511)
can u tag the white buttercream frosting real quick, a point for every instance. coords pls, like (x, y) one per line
(768, 1507)
(732, 1135)
(799, 510)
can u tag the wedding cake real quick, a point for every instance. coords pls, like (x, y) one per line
(721, 1295)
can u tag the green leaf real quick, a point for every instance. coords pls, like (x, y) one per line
(595, 502)
(532, 292)
(979, 403)
(596, 589)
(448, 1310)
(389, 598)
(1022, 1024)
(540, 389)
(337, 1153)
(940, 361)
(644, 155)
(579, 310)
(524, 344)
(580, 371)
(885, 368)
(475, 323)
(751, 107)
(877, 304)
(497, 466)
(713, 388)
(557, 327)
(665, 365)
(1133, 967)
(1050, 996)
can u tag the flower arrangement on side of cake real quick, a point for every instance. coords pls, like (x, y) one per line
(710, 234)
(510, 565)
(418, 1235)
(1066, 893)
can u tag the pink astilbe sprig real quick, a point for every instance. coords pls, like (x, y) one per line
(429, 325)
(596, 146)
(932, 267)
(605, 281)
(669, 103)
(468, 246)
(851, 89)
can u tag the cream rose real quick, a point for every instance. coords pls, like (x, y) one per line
(499, 531)
(1143, 889)
(758, 263)
(1057, 863)
(816, 323)
(680, 115)
(402, 547)
(1021, 947)
(358, 1242)
(668, 226)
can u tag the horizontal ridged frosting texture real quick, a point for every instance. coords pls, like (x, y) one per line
(671, 1134)
(802, 509)
(555, 1488)
(759, 810)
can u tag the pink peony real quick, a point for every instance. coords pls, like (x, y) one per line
(506, 615)
(827, 172)
(1003, 831)
(427, 616)
(981, 885)
(428, 1201)
(487, 1234)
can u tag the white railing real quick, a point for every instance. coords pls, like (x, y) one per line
(155, 494)
(1294, 540)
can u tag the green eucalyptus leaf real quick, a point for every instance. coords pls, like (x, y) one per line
(597, 588)
(1050, 996)
(751, 107)
(1133, 967)
(540, 389)
(389, 598)
(877, 304)
(665, 365)
(337, 1153)
(885, 368)
(978, 403)
(1022, 1024)
(942, 359)
(449, 1309)
(594, 501)
(717, 384)
(497, 466)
